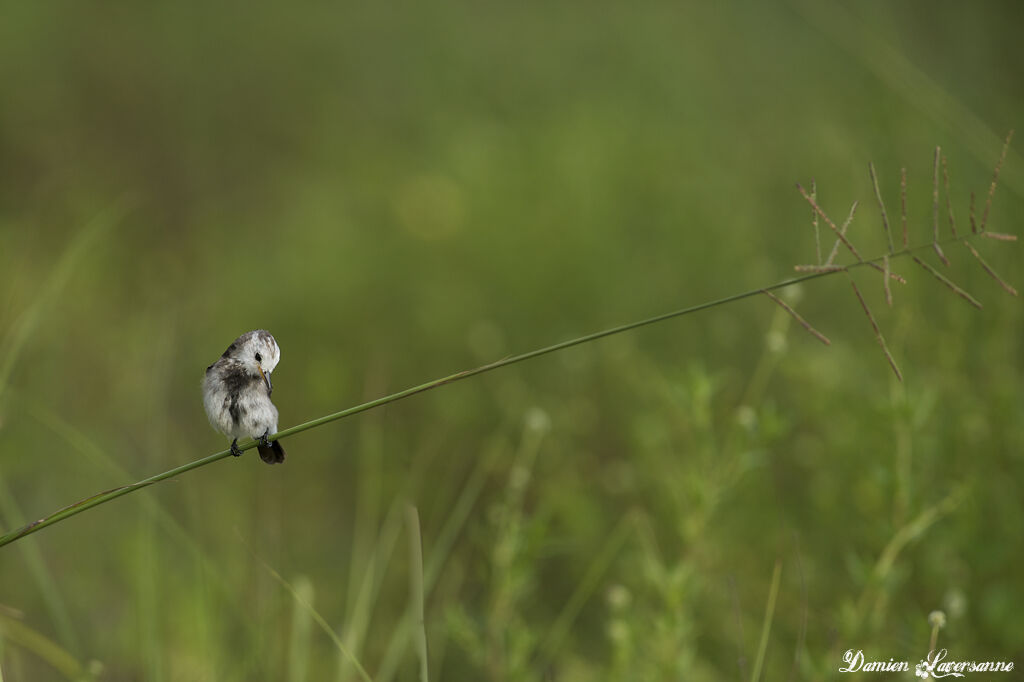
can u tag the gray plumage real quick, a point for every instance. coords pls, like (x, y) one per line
(236, 393)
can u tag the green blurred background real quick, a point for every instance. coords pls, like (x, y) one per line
(402, 190)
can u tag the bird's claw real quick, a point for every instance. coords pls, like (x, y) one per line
(263, 440)
(235, 450)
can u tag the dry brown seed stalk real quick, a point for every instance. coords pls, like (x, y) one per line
(999, 236)
(952, 287)
(935, 208)
(878, 332)
(814, 221)
(992, 273)
(949, 204)
(995, 180)
(881, 206)
(892, 275)
(885, 280)
(935, 194)
(842, 230)
(819, 268)
(903, 204)
(828, 220)
(837, 268)
(796, 316)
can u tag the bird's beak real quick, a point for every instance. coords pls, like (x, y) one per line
(266, 379)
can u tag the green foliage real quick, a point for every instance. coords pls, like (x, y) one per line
(402, 191)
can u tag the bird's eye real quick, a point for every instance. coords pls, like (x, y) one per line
(259, 358)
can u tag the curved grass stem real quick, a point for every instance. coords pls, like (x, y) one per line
(108, 495)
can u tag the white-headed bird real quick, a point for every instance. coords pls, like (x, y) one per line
(236, 393)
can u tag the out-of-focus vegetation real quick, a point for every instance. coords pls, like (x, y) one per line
(402, 190)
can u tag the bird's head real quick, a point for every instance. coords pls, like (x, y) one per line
(258, 352)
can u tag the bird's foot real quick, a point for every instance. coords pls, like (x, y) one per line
(235, 450)
(263, 440)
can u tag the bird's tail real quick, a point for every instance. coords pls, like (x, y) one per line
(271, 454)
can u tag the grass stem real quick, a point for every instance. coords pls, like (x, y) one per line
(766, 628)
(114, 493)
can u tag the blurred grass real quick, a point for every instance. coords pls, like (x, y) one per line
(401, 191)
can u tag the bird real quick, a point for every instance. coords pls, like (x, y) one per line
(236, 393)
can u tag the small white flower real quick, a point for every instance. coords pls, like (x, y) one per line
(538, 421)
(746, 417)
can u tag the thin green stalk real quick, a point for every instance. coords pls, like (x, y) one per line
(300, 599)
(440, 550)
(44, 648)
(584, 589)
(14, 342)
(108, 495)
(766, 627)
(299, 640)
(899, 541)
(412, 518)
(40, 571)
